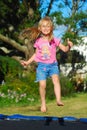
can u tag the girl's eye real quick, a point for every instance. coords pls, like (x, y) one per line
(47, 26)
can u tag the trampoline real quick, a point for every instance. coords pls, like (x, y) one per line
(22, 122)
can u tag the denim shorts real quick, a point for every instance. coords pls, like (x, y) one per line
(44, 71)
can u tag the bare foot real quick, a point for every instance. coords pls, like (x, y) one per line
(60, 104)
(43, 108)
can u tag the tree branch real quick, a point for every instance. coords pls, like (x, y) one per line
(13, 43)
(49, 7)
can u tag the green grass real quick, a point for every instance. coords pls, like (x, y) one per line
(74, 106)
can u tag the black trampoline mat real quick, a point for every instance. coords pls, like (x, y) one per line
(42, 125)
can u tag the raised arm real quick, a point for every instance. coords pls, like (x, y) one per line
(67, 47)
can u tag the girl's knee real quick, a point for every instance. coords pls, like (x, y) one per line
(55, 80)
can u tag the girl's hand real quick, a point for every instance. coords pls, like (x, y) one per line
(69, 42)
(24, 63)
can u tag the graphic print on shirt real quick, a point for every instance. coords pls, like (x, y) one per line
(45, 51)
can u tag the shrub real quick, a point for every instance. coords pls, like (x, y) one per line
(18, 92)
(22, 89)
(67, 87)
(16, 89)
(10, 68)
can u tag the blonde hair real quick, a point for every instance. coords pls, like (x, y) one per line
(34, 33)
(48, 19)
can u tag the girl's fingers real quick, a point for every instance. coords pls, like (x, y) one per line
(67, 39)
(23, 63)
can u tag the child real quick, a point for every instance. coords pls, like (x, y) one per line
(45, 56)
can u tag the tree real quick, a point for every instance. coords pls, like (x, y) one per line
(15, 17)
(72, 14)
(26, 13)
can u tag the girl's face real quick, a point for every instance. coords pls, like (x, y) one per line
(45, 28)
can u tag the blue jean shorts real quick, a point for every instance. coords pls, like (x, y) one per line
(44, 71)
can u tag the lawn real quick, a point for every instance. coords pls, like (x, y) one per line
(74, 107)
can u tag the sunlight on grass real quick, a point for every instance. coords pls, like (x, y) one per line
(75, 106)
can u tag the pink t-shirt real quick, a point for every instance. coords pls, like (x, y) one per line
(46, 52)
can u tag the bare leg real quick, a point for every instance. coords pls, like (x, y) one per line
(57, 89)
(42, 90)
